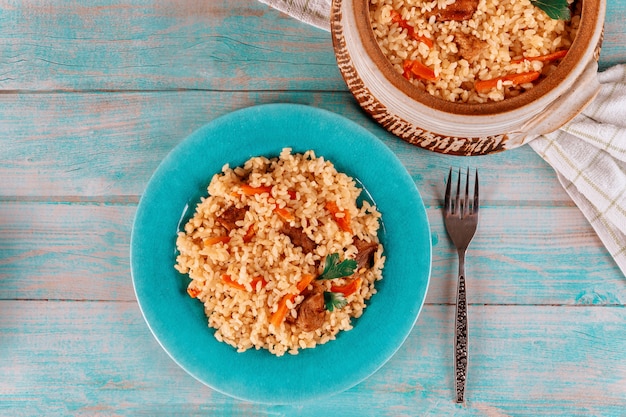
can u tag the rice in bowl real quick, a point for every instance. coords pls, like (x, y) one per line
(499, 49)
(282, 253)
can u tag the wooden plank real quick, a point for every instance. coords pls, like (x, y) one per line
(613, 50)
(65, 251)
(99, 358)
(160, 45)
(63, 146)
(171, 45)
(81, 252)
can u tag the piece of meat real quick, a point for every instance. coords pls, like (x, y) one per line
(365, 253)
(469, 46)
(298, 237)
(311, 311)
(459, 10)
(230, 216)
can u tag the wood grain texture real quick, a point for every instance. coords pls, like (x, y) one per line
(160, 45)
(92, 98)
(98, 358)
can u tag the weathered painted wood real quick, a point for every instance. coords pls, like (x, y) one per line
(65, 251)
(613, 46)
(93, 96)
(169, 45)
(98, 358)
(107, 145)
(160, 45)
(75, 251)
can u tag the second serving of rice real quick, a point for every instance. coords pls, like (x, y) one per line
(242, 271)
(501, 34)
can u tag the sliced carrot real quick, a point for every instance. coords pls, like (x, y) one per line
(397, 18)
(215, 239)
(281, 312)
(193, 292)
(544, 58)
(423, 39)
(483, 86)
(226, 279)
(247, 189)
(284, 213)
(418, 69)
(422, 71)
(342, 217)
(304, 282)
(349, 288)
(249, 233)
(256, 280)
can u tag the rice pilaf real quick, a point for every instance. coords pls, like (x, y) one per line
(259, 244)
(499, 49)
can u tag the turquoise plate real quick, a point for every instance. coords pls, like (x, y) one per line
(178, 322)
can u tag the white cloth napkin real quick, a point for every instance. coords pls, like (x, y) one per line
(588, 154)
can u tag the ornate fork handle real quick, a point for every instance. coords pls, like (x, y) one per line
(460, 333)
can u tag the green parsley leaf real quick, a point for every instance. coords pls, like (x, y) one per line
(334, 300)
(555, 9)
(335, 269)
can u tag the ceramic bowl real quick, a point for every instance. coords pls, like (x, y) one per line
(460, 128)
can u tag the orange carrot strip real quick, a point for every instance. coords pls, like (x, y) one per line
(395, 17)
(544, 58)
(226, 279)
(284, 213)
(304, 282)
(423, 39)
(279, 315)
(247, 189)
(342, 221)
(193, 292)
(249, 233)
(215, 239)
(406, 67)
(422, 71)
(483, 86)
(416, 68)
(256, 280)
(349, 288)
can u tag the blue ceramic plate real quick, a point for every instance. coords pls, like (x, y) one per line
(178, 322)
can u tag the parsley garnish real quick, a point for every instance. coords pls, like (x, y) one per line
(335, 269)
(334, 300)
(555, 9)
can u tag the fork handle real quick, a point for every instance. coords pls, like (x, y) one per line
(460, 333)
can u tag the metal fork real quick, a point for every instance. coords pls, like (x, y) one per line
(461, 220)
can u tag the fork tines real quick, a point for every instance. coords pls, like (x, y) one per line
(459, 206)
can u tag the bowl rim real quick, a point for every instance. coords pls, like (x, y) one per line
(590, 14)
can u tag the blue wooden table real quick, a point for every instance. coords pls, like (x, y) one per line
(93, 95)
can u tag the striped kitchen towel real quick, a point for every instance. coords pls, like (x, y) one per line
(589, 157)
(588, 154)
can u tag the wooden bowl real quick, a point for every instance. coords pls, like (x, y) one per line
(461, 128)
